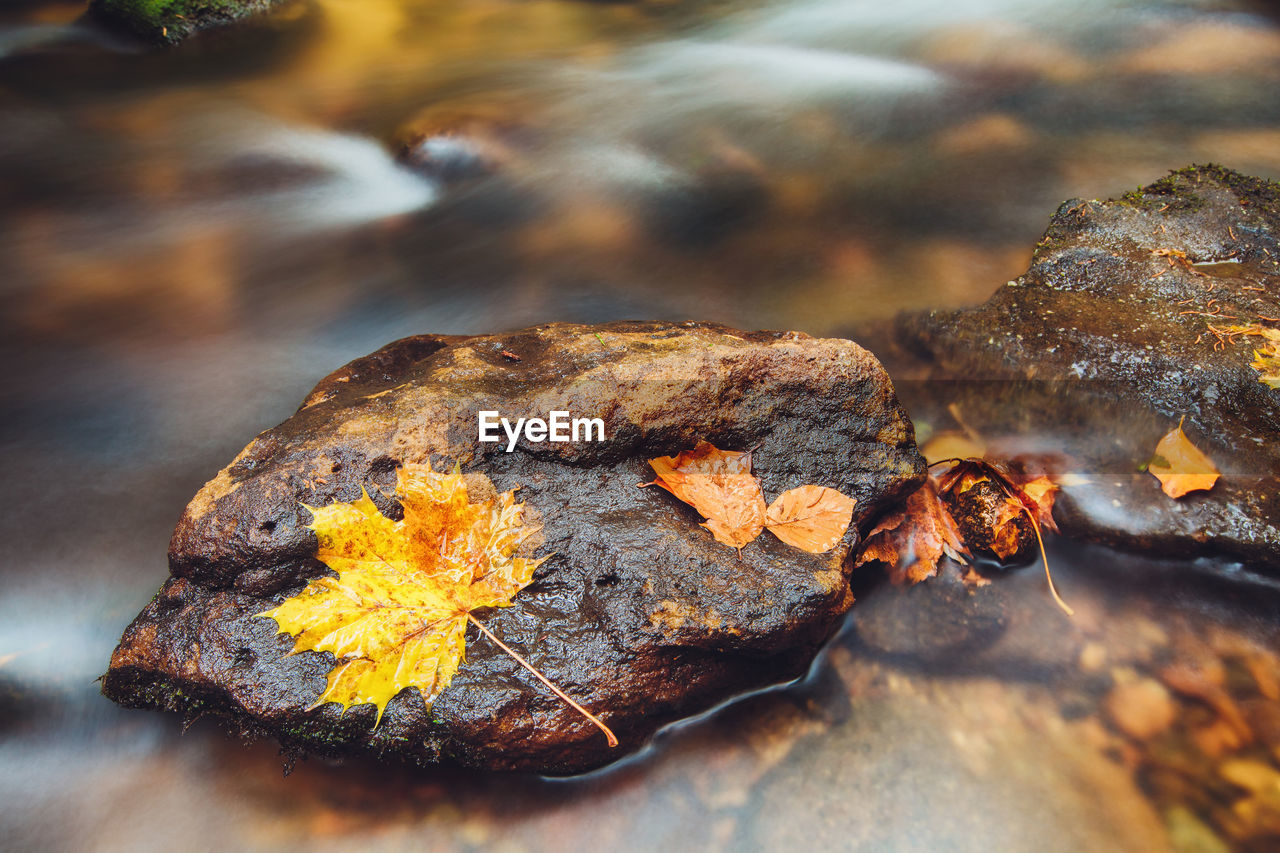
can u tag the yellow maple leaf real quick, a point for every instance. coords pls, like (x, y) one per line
(1267, 362)
(396, 615)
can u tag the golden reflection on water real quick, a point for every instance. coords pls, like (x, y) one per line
(622, 179)
(695, 202)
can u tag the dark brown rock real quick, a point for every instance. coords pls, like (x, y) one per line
(942, 622)
(979, 512)
(455, 142)
(1104, 344)
(638, 613)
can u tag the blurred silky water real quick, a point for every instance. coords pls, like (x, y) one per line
(191, 238)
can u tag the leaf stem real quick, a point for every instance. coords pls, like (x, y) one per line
(1035, 525)
(613, 740)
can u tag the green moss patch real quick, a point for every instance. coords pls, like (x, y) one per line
(170, 21)
(1176, 192)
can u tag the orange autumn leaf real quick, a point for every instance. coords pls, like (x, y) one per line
(912, 539)
(720, 486)
(1040, 494)
(811, 518)
(1180, 466)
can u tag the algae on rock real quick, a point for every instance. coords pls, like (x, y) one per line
(171, 21)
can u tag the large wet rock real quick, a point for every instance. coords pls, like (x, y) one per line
(171, 21)
(637, 613)
(1106, 342)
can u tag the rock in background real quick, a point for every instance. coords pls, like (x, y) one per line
(637, 613)
(1114, 334)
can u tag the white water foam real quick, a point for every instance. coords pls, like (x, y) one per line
(358, 182)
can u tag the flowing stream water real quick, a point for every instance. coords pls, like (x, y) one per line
(191, 238)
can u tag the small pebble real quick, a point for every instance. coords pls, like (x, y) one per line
(1141, 709)
(1254, 776)
(1093, 657)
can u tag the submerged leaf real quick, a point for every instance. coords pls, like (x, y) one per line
(912, 539)
(720, 486)
(951, 444)
(1180, 466)
(396, 614)
(811, 518)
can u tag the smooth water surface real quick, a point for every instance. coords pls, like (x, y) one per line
(191, 238)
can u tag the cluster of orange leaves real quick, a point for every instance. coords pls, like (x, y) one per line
(913, 538)
(720, 486)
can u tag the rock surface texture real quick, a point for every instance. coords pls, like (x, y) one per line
(1117, 331)
(638, 613)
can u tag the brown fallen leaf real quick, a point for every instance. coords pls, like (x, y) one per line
(720, 486)
(1189, 680)
(1180, 466)
(811, 518)
(911, 539)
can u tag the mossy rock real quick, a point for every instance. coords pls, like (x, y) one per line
(171, 21)
(1120, 329)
